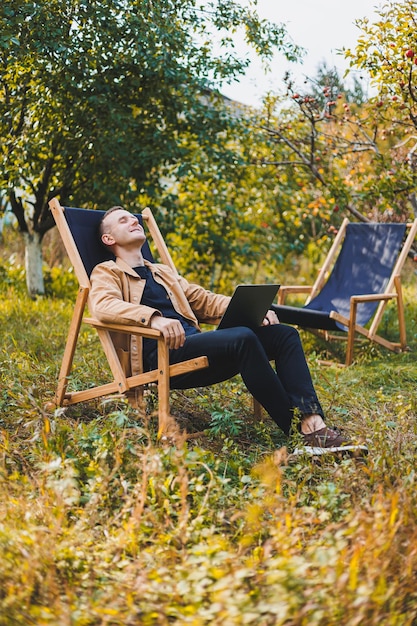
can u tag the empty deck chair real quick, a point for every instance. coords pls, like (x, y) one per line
(360, 275)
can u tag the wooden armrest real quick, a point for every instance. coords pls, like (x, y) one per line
(373, 297)
(285, 290)
(143, 331)
(296, 288)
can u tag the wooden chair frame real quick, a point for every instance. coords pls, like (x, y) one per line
(121, 383)
(393, 291)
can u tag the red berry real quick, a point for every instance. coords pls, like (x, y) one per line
(409, 54)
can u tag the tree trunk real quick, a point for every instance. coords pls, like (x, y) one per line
(33, 264)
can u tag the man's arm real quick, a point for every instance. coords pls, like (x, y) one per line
(206, 305)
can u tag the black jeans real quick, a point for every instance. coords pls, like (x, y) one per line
(248, 353)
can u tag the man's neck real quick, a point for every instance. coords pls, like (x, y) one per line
(133, 258)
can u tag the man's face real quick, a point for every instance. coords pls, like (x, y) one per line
(121, 228)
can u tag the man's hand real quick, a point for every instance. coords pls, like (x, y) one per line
(270, 318)
(171, 330)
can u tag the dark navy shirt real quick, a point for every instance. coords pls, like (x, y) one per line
(156, 296)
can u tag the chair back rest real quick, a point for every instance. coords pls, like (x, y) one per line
(364, 266)
(84, 226)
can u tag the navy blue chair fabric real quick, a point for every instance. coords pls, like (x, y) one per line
(364, 266)
(84, 227)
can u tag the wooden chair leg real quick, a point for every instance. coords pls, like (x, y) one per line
(166, 423)
(351, 332)
(70, 346)
(400, 309)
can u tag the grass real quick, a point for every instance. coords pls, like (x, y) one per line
(102, 525)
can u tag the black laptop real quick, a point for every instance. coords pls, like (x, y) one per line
(248, 306)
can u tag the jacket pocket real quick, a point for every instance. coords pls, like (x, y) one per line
(124, 358)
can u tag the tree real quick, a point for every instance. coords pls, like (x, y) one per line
(354, 153)
(312, 145)
(387, 50)
(98, 97)
(344, 152)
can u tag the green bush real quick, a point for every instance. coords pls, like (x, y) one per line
(60, 282)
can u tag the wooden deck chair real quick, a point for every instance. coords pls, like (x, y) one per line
(79, 232)
(360, 275)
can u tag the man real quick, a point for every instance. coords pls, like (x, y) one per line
(130, 290)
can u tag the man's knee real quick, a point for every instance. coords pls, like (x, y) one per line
(279, 336)
(242, 335)
(290, 336)
(238, 332)
(289, 331)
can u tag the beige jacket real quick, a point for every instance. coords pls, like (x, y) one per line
(116, 294)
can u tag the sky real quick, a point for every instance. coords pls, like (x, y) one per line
(322, 27)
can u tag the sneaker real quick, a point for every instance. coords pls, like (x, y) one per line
(329, 441)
